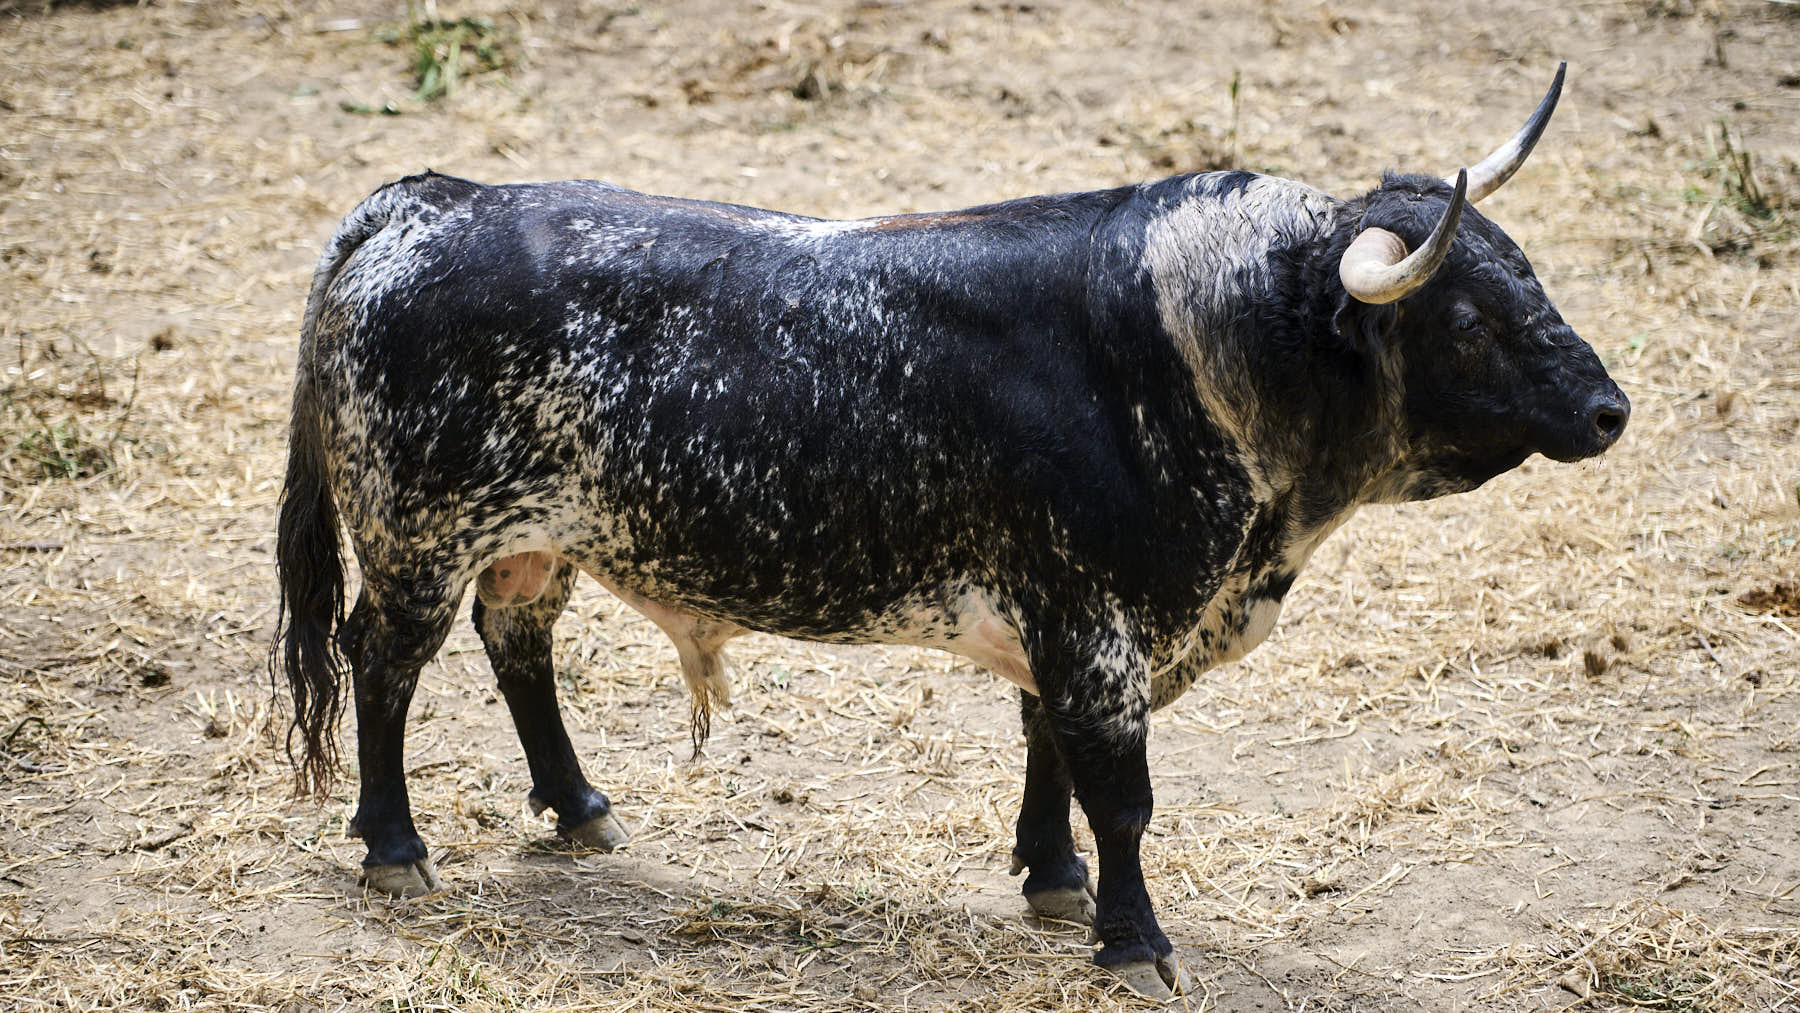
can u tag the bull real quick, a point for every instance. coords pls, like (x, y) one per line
(1086, 441)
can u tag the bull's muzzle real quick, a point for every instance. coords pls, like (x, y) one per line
(1591, 429)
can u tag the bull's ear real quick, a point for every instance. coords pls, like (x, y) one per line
(1363, 327)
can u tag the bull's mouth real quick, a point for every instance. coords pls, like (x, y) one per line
(1593, 437)
(1565, 456)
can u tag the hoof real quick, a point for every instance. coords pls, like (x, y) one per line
(1063, 904)
(410, 879)
(1162, 979)
(1070, 904)
(602, 833)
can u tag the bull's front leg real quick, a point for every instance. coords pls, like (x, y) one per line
(1098, 709)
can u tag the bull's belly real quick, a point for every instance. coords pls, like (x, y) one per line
(962, 619)
(971, 627)
(957, 616)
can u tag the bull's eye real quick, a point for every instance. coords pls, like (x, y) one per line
(1469, 324)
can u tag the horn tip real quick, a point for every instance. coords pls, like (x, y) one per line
(1552, 94)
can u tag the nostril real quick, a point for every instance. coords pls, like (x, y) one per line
(1609, 422)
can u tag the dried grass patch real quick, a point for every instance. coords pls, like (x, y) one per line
(1648, 955)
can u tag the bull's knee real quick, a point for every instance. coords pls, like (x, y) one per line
(515, 580)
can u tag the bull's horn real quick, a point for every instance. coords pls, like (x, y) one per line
(1498, 167)
(1376, 267)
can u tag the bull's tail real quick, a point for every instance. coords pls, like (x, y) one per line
(309, 566)
(309, 563)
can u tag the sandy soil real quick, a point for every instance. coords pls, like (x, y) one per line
(1536, 747)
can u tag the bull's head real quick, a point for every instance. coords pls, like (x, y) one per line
(1491, 373)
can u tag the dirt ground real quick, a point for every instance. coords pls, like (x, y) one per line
(1535, 747)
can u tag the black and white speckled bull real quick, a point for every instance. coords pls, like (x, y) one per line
(1086, 441)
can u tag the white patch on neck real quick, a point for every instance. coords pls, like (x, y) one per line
(1207, 258)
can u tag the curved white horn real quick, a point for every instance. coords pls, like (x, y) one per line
(1497, 168)
(1377, 269)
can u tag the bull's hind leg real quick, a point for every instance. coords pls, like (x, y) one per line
(391, 633)
(1059, 885)
(517, 639)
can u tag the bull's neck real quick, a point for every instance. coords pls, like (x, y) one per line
(1235, 262)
